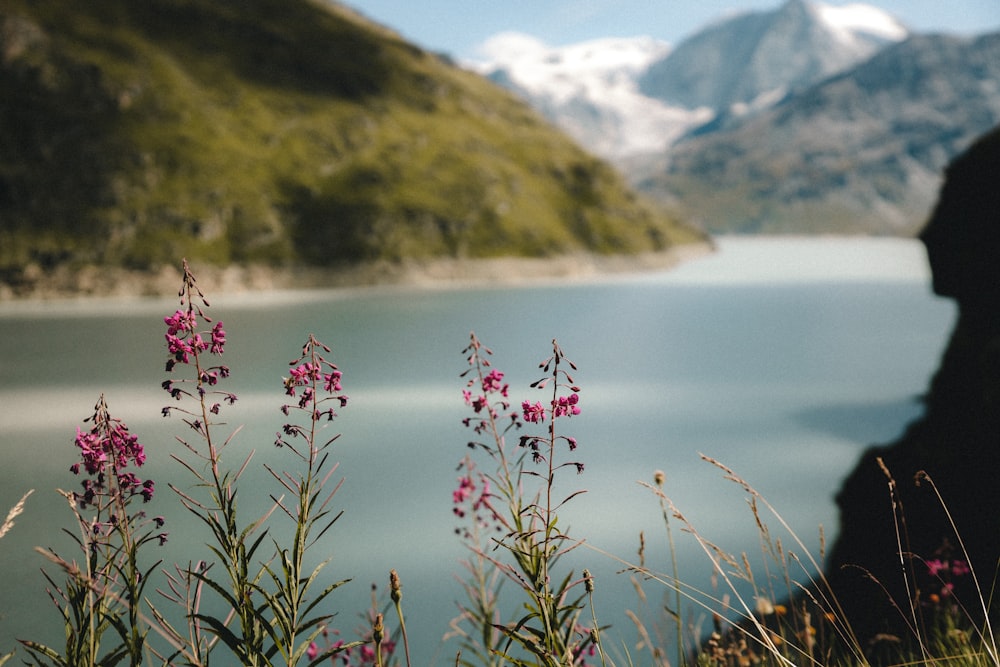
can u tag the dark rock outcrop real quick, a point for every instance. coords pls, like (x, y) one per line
(956, 442)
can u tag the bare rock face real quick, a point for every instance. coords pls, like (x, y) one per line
(956, 442)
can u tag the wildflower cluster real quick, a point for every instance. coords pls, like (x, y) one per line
(561, 405)
(107, 449)
(310, 377)
(489, 397)
(492, 401)
(527, 519)
(472, 499)
(187, 343)
(943, 573)
(100, 593)
(468, 495)
(183, 341)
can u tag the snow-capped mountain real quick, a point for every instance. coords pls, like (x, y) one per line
(635, 96)
(590, 90)
(755, 59)
(809, 118)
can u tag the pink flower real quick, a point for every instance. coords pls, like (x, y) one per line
(936, 567)
(312, 651)
(301, 376)
(494, 382)
(331, 381)
(179, 348)
(465, 488)
(199, 343)
(307, 396)
(180, 321)
(566, 406)
(218, 338)
(479, 403)
(533, 413)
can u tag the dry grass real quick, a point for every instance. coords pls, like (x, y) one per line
(809, 627)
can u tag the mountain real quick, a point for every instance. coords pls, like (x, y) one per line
(860, 152)
(759, 57)
(627, 97)
(809, 118)
(281, 133)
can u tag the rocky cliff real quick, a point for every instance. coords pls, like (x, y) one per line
(956, 442)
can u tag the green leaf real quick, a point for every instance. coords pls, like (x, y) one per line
(322, 596)
(226, 635)
(44, 650)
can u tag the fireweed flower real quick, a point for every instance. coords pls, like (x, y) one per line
(315, 381)
(471, 500)
(191, 335)
(533, 412)
(485, 392)
(493, 383)
(101, 591)
(525, 516)
(218, 339)
(943, 574)
(560, 406)
(566, 406)
(106, 451)
(936, 566)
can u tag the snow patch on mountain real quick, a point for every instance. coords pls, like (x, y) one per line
(858, 18)
(628, 97)
(789, 48)
(590, 90)
(563, 72)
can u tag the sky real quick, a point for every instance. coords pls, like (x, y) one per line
(458, 27)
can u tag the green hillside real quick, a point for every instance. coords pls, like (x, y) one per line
(276, 132)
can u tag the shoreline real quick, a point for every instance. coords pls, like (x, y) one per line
(96, 283)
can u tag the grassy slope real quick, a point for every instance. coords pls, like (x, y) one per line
(280, 132)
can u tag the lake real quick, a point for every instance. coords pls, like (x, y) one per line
(782, 357)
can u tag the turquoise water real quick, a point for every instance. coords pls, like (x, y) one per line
(783, 358)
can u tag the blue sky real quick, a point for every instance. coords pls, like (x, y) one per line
(456, 27)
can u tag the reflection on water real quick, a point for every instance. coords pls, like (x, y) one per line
(784, 370)
(864, 422)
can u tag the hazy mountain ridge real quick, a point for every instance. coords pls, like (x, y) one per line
(276, 133)
(808, 118)
(862, 152)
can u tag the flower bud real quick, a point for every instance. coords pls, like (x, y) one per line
(588, 581)
(395, 588)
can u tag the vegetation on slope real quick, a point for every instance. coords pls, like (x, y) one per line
(276, 132)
